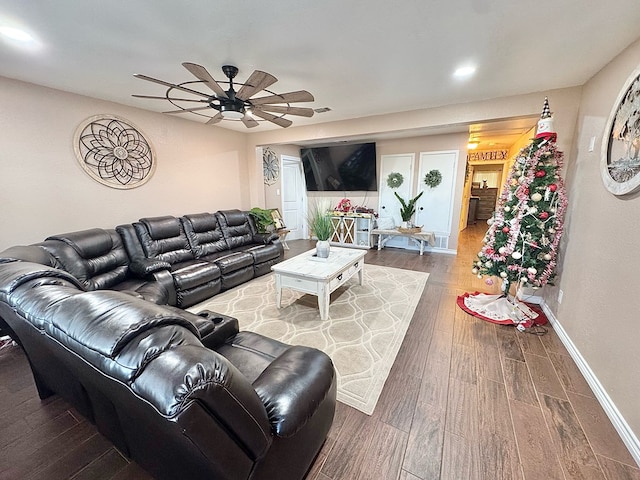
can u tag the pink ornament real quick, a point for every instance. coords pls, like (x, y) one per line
(489, 281)
(544, 215)
(505, 229)
(540, 173)
(553, 187)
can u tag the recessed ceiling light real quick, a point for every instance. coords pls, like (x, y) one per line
(464, 72)
(16, 34)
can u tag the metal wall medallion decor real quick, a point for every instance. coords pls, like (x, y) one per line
(620, 162)
(114, 152)
(270, 166)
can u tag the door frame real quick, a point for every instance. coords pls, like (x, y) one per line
(302, 212)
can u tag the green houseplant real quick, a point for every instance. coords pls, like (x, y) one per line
(408, 208)
(264, 219)
(322, 227)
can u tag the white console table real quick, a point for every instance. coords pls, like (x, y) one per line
(419, 238)
(351, 230)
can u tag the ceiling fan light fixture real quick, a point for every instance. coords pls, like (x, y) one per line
(232, 105)
(231, 114)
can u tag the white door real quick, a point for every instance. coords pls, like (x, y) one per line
(389, 205)
(294, 198)
(435, 208)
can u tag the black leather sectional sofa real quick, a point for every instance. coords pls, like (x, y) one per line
(185, 395)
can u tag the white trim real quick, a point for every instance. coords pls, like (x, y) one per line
(619, 423)
(303, 186)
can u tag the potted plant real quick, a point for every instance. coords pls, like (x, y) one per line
(263, 218)
(408, 208)
(322, 227)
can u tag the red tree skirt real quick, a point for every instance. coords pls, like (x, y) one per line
(499, 309)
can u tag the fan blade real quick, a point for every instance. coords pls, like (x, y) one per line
(256, 82)
(248, 121)
(183, 110)
(301, 112)
(283, 122)
(215, 119)
(201, 74)
(165, 98)
(172, 85)
(290, 97)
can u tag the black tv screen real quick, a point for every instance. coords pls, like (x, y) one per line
(340, 167)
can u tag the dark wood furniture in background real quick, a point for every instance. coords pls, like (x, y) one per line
(487, 202)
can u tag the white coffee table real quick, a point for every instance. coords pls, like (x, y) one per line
(319, 277)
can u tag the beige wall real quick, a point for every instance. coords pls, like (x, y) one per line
(600, 258)
(44, 191)
(273, 193)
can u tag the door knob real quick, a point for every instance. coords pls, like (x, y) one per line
(421, 208)
(383, 207)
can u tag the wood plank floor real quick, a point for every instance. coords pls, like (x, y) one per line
(466, 399)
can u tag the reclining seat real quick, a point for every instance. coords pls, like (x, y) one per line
(208, 243)
(97, 258)
(246, 407)
(163, 238)
(242, 235)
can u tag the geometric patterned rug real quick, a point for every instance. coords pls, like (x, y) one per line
(362, 335)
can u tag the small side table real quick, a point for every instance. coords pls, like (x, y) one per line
(282, 233)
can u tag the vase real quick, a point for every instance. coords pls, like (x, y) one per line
(322, 249)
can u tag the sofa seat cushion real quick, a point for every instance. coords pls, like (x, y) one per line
(154, 292)
(264, 253)
(195, 274)
(234, 261)
(251, 353)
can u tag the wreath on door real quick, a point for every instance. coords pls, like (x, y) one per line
(394, 180)
(433, 178)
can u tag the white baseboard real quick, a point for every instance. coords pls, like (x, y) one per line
(620, 424)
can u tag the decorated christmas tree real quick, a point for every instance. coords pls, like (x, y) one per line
(521, 246)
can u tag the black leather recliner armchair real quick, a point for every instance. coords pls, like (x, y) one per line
(247, 407)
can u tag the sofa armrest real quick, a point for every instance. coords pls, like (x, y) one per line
(186, 376)
(265, 238)
(214, 328)
(141, 267)
(293, 386)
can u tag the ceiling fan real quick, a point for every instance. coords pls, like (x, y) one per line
(232, 105)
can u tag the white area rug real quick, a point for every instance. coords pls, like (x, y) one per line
(362, 336)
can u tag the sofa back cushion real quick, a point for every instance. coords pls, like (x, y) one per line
(96, 256)
(236, 227)
(204, 233)
(163, 238)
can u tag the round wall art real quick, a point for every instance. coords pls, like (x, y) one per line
(114, 152)
(620, 162)
(270, 166)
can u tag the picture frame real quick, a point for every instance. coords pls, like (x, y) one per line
(277, 219)
(620, 159)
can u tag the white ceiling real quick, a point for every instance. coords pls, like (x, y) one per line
(357, 57)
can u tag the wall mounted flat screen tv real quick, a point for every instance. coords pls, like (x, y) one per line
(340, 167)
